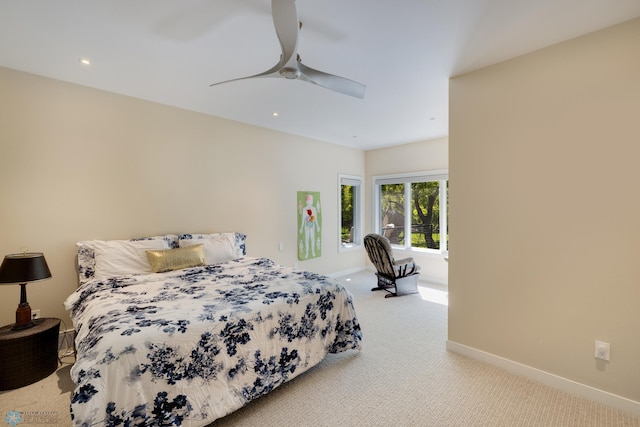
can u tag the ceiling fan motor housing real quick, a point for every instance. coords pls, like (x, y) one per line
(290, 73)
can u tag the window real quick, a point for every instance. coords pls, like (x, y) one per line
(350, 208)
(411, 210)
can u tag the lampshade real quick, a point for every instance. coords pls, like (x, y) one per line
(24, 268)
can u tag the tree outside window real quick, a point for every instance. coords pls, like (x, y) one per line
(425, 218)
(350, 189)
(393, 218)
(412, 210)
(347, 226)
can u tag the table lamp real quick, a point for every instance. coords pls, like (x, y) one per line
(22, 269)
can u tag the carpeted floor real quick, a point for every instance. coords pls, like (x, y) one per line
(404, 376)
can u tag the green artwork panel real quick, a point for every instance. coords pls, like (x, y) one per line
(309, 225)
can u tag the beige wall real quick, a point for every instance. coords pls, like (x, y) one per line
(421, 156)
(78, 163)
(544, 209)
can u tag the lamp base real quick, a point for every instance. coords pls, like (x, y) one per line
(20, 327)
(23, 317)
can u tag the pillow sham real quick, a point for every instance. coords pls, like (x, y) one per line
(171, 240)
(87, 266)
(217, 248)
(176, 259)
(115, 258)
(237, 239)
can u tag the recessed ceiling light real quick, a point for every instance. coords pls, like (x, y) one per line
(275, 114)
(85, 61)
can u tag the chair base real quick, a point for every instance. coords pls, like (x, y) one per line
(395, 287)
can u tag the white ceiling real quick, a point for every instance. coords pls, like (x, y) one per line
(169, 51)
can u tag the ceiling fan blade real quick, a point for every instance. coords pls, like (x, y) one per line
(272, 72)
(332, 82)
(285, 21)
(287, 26)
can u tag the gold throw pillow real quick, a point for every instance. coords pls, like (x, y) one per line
(176, 259)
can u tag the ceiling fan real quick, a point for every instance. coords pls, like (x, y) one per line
(290, 66)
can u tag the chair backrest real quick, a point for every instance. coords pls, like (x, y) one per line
(380, 254)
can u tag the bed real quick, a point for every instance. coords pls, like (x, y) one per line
(184, 329)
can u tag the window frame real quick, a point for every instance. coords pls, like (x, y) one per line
(442, 176)
(357, 182)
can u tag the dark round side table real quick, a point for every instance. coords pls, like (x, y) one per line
(28, 355)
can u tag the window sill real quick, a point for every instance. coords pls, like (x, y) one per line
(349, 247)
(433, 253)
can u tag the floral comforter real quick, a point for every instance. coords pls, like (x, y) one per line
(190, 346)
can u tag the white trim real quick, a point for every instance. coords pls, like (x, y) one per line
(346, 272)
(570, 386)
(399, 178)
(353, 247)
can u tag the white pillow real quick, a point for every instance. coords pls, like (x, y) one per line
(87, 258)
(217, 247)
(118, 257)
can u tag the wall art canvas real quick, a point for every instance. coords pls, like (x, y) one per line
(309, 225)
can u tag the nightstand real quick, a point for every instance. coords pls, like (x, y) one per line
(28, 355)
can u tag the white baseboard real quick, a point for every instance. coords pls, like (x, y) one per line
(346, 272)
(575, 388)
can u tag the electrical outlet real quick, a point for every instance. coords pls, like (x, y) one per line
(603, 350)
(35, 314)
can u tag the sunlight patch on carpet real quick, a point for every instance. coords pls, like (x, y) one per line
(434, 295)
